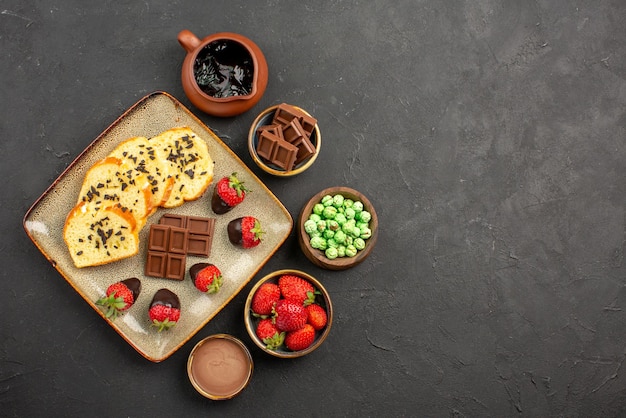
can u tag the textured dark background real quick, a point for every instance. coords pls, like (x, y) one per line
(490, 135)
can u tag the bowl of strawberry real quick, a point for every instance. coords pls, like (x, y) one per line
(288, 313)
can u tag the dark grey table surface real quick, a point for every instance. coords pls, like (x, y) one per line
(490, 136)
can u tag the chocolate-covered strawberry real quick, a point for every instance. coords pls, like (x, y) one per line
(245, 231)
(164, 311)
(228, 193)
(206, 277)
(120, 296)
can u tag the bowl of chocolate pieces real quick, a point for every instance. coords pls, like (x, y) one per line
(284, 140)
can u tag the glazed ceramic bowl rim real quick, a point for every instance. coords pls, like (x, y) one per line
(202, 390)
(320, 338)
(228, 36)
(262, 164)
(343, 262)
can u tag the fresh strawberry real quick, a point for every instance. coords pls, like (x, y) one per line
(269, 334)
(228, 193)
(301, 338)
(296, 288)
(164, 311)
(289, 315)
(120, 296)
(264, 299)
(245, 231)
(316, 316)
(206, 277)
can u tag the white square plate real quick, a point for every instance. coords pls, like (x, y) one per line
(150, 116)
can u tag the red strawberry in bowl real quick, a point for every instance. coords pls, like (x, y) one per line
(300, 339)
(264, 299)
(296, 288)
(269, 334)
(289, 315)
(228, 193)
(245, 232)
(164, 311)
(316, 316)
(120, 296)
(206, 277)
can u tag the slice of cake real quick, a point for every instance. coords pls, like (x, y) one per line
(189, 164)
(112, 181)
(140, 154)
(97, 235)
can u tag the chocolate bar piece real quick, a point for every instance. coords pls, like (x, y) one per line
(274, 128)
(285, 113)
(155, 264)
(167, 249)
(284, 155)
(175, 266)
(177, 242)
(199, 233)
(172, 219)
(305, 149)
(158, 238)
(293, 131)
(199, 245)
(266, 144)
(198, 225)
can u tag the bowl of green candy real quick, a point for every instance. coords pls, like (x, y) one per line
(337, 228)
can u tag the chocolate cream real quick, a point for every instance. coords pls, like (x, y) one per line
(221, 367)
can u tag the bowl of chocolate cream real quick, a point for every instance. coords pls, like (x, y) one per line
(220, 367)
(224, 74)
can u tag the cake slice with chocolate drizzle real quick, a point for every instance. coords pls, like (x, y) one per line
(189, 164)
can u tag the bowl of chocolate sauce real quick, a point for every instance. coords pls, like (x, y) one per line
(220, 367)
(224, 74)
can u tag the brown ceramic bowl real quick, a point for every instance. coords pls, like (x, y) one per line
(236, 50)
(317, 256)
(220, 367)
(322, 299)
(265, 118)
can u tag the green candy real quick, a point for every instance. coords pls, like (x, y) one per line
(357, 206)
(364, 216)
(318, 208)
(310, 226)
(347, 203)
(350, 213)
(329, 212)
(318, 242)
(331, 253)
(315, 217)
(341, 251)
(338, 200)
(340, 236)
(355, 232)
(366, 233)
(328, 233)
(359, 243)
(340, 218)
(348, 225)
(332, 224)
(321, 225)
(351, 251)
(327, 200)
(331, 243)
